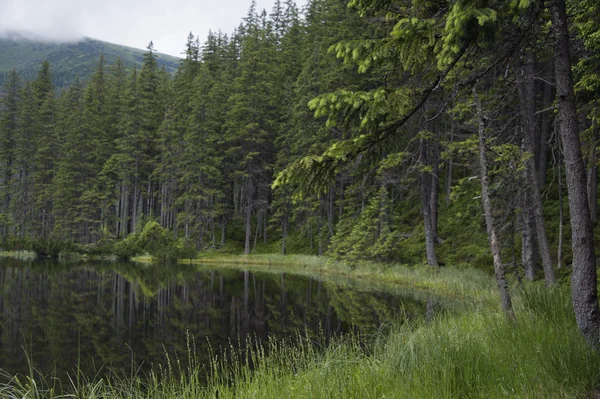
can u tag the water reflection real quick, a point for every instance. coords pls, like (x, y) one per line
(101, 316)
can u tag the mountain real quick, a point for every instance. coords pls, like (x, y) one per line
(68, 60)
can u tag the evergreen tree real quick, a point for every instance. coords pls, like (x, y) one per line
(67, 184)
(9, 113)
(250, 122)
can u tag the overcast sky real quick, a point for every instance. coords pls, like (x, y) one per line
(130, 22)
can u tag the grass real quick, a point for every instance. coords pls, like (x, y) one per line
(24, 255)
(474, 354)
(452, 283)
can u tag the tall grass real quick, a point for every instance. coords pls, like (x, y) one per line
(478, 354)
(466, 284)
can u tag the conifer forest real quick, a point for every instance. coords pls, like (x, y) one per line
(434, 132)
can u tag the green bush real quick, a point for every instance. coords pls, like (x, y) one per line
(51, 248)
(128, 247)
(16, 243)
(162, 246)
(184, 248)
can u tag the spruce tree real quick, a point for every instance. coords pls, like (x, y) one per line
(9, 113)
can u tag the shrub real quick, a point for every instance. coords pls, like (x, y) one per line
(128, 247)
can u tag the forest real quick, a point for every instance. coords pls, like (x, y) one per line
(447, 133)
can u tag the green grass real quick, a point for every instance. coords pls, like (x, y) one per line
(25, 255)
(462, 284)
(474, 354)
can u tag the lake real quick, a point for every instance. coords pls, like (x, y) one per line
(102, 317)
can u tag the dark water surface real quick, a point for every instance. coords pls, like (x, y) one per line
(115, 316)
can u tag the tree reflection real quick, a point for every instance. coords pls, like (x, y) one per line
(110, 316)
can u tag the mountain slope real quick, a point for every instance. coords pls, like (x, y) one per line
(69, 60)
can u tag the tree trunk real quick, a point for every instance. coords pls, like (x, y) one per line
(592, 185)
(426, 209)
(257, 230)
(435, 190)
(584, 279)
(125, 213)
(487, 210)
(248, 229)
(592, 178)
(449, 169)
(527, 94)
(285, 222)
(284, 238)
(527, 251)
(223, 230)
(560, 213)
(135, 206)
(544, 136)
(330, 212)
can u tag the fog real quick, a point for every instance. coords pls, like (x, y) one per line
(128, 22)
(40, 20)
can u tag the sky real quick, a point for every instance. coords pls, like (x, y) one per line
(128, 22)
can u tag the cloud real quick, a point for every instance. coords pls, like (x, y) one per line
(41, 19)
(129, 22)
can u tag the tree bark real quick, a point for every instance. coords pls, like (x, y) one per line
(527, 94)
(584, 277)
(135, 208)
(435, 190)
(449, 169)
(505, 299)
(544, 136)
(559, 255)
(223, 230)
(592, 178)
(592, 185)
(248, 218)
(426, 209)
(527, 248)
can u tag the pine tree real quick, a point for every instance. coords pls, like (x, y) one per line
(124, 165)
(9, 113)
(46, 149)
(250, 122)
(22, 188)
(202, 195)
(67, 184)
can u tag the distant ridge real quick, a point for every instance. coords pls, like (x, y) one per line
(68, 60)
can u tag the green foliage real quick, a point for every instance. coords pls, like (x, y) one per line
(128, 247)
(51, 248)
(159, 243)
(155, 240)
(372, 236)
(301, 132)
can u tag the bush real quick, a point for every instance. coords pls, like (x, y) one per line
(184, 248)
(162, 246)
(51, 248)
(128, 247)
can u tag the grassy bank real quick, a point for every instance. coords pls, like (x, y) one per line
(477, 355)
(468, 284)
(25, 255)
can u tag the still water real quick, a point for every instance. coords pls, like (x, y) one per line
(104, 317)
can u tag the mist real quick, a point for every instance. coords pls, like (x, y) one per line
(128, 22)
(54, 21)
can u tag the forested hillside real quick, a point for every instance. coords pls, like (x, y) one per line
(68, 60)
(376, 130)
